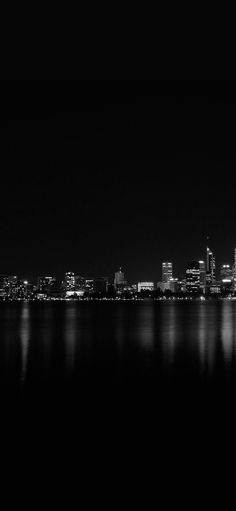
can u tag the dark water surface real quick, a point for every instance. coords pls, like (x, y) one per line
(81, 348)
(84, 375)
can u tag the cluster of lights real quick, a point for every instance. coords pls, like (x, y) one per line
(199, 278)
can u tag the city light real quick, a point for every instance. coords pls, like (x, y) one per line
(199, 281)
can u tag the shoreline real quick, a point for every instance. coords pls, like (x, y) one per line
(105, 299)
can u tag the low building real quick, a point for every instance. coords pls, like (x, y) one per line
(45, 284)
(145, 286)
(75, 294)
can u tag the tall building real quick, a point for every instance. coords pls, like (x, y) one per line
(210, 267)
(24, 289)
(70, 281)
(202, 268)
(234, 270)
(193, 277)
(166, 272)
(226, 278)
(119, 280)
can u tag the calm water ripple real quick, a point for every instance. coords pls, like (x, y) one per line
(116, 343)
(88, 375)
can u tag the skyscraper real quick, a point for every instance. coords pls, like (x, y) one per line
(234, 270)
(119, 280)
(202, 268)
(70, 281)
(193, 277)
(210, 267)
(166, 272)
(226, 278)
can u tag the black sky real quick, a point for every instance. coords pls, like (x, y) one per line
(97, 174)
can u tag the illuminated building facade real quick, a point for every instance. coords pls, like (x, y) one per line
(119, 280)
(3, 281)
(202, 269)
(210, 267)
(89, 286)
(193, 277)
(172, 285)
(79, 283)
(70, 281)
(8, 286)
(145, 286)
(166, 272)
(234, 270)
(45, 283)
(75, 285)
(226, 272)
(226, 278)
(24, 289)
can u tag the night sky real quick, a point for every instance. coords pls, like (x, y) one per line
(101, 174)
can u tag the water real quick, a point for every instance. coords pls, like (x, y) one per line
(121, 346)
(117, 377)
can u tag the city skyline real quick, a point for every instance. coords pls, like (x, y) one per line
(201, 277)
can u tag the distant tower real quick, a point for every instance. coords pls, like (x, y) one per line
(119, 280)
(193, 277)
(210, 267)
(166, 272)
(70, 281)
(202, 267)
(234, 270)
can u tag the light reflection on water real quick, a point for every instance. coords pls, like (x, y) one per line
(120, 330)
(25, 339)
(45, 329)
(44, 340)
(169, 333)
(145, 327)
(202, 340)
(228, 332)
(71, 336)
(206, 326)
